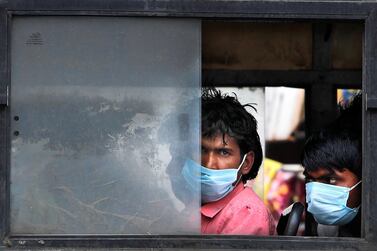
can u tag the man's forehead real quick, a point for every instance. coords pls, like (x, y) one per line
(220, 140)
(319, 172)
(225, 138)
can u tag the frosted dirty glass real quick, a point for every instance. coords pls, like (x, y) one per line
(104, 112)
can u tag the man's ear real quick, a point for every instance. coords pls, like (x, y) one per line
(248, 164)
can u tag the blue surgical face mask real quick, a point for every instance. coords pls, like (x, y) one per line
(328, 203)
(214, 184)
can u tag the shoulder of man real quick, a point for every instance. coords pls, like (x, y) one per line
(251, 199)
(254, 213)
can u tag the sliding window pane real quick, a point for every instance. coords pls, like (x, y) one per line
(104, 111)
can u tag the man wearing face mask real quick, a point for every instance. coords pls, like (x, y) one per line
(231, 155)
(332, 162)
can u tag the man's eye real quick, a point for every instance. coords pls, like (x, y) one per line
(204, 150)
(224, 152)
(332, 181)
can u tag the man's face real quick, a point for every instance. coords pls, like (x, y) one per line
(220, 153)
(224, 153)
(344, 178)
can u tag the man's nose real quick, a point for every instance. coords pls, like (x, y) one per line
(209, 160)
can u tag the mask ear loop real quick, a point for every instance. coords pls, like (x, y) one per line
(355, 185)
(243, 160)
(356, 208)
(239, 167)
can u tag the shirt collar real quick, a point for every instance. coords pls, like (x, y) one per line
(211, 209)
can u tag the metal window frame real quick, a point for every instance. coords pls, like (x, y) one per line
(360, 11)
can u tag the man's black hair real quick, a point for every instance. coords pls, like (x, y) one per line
(332, 150)
(224, 114)
(339, 145)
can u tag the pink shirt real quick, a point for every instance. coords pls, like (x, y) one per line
(240, 212)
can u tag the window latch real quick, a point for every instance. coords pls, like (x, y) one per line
(4, 97)
(370, 103)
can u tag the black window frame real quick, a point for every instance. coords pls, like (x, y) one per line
(355, 11)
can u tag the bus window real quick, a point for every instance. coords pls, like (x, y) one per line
(257, 54)
(100, 112)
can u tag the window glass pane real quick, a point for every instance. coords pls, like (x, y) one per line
(100, 124)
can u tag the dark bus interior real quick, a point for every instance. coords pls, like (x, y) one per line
(322, 58)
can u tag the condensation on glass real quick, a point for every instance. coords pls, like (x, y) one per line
(104, 112)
